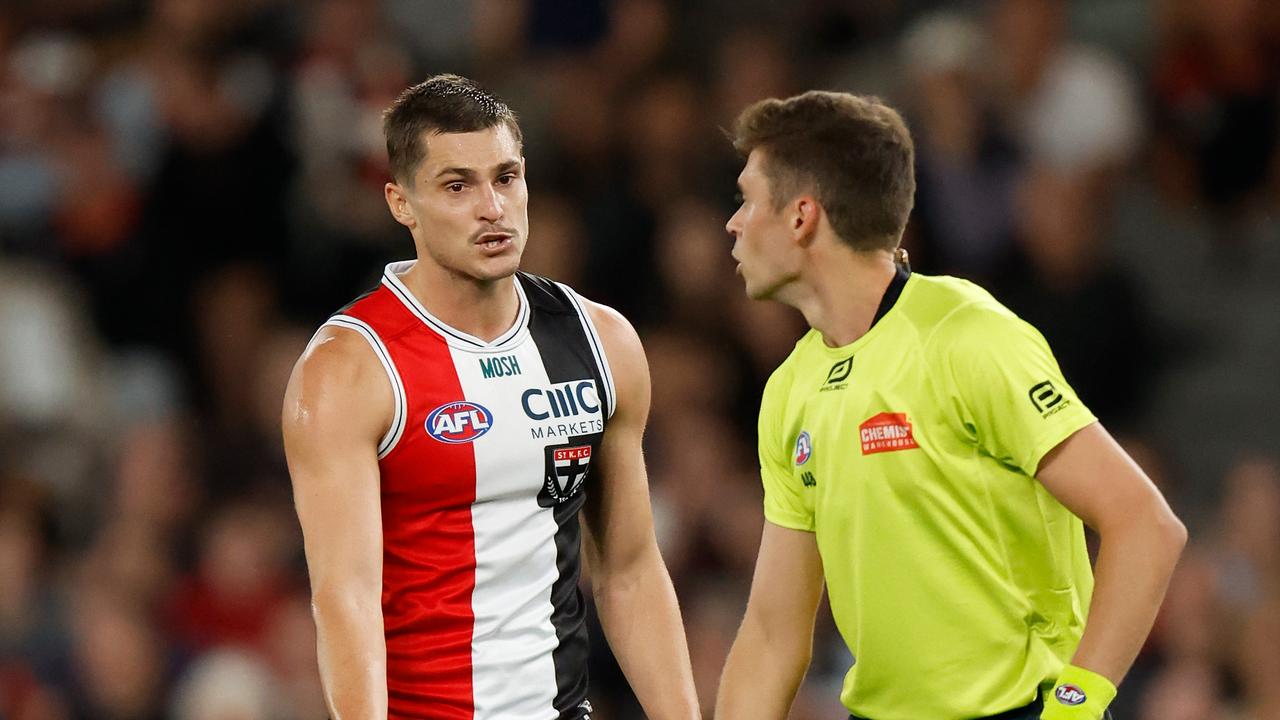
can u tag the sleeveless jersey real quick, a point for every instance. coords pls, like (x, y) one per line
(483, 472)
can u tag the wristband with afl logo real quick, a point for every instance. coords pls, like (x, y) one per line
(1079, 694)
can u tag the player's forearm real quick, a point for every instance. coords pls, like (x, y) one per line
(641, 619)
(351, 650)
(762, 673)
(1136, 558)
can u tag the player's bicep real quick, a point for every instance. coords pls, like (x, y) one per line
(617, 513)
(336, 409)
(787, 584)
(1094, 478)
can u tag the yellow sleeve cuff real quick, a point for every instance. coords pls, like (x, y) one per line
(1079, 694)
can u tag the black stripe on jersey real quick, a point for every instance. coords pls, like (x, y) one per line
(566, 353)
(606, 389)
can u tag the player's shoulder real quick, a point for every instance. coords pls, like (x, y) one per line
(382, 312)
(551, 296)
(615, 330)
(339, 355)
(337, 386)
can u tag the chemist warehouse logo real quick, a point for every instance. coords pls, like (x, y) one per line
(886, 432)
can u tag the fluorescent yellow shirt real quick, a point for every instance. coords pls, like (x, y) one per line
(958, 582)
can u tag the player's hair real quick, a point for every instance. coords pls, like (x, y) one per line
(854, 153)
(439, 104)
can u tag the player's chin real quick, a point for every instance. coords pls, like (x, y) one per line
(496, 268)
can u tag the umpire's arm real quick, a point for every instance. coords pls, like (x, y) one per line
(337, 405)
(632, 590)
(1141, 540)
(775, 643)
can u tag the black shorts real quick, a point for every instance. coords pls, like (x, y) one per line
(1030, 711)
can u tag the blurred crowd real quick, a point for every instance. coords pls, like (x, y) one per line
(189, 187)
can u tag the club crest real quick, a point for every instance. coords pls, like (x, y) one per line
(566, 468)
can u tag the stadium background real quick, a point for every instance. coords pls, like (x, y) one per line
(187, 187)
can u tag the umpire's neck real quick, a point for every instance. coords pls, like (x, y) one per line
(839, 289)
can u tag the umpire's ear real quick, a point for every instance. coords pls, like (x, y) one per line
(806, 214)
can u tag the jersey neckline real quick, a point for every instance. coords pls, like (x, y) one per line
(453, 336)
(899, 287)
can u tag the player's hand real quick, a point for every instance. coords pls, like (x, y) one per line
(1079, 694)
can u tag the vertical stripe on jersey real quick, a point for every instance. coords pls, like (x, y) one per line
(429, 571)
(605, 381)
(512, 668)
(565, 354)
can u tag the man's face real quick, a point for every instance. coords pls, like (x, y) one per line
(468, 206)
(767, 258)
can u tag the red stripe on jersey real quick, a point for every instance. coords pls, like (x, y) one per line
(428, 559)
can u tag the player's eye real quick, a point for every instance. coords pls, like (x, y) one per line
(738, 198)
(456, 187)
(507, 179)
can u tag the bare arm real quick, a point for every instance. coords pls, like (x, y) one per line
(1141, 540)
(632, 589)
(337, 406)
(775, 643)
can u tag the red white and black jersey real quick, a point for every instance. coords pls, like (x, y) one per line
(483, 471)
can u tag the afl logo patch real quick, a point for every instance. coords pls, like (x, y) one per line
(458, 422)
(1069, 695)
(804, 448)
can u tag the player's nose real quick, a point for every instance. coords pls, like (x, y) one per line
(489, 205)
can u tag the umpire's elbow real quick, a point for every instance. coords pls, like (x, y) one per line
(1165, 529)
(1173, 532)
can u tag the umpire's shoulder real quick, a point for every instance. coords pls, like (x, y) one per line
(977, 326)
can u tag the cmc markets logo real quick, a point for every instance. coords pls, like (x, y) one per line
(1046, 398)
(458, 422)
(564, 400)
(886, 432)
(1070, 695)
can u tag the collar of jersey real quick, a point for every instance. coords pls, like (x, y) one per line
(453, 336)
(869, 335)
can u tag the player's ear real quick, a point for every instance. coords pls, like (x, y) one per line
(398, 203)
(804, 219)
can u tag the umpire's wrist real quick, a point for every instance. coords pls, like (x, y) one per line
(1079, 694)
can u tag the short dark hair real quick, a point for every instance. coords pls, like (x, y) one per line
(854, 152)
(439, 104)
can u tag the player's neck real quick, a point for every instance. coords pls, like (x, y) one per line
(482, 308)
(840, 295)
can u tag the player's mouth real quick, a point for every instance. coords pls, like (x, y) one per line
(494, 243)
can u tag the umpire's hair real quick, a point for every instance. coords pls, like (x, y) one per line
(439, 104)
(854, 153)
